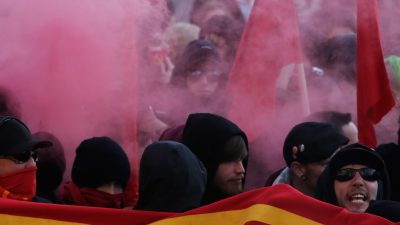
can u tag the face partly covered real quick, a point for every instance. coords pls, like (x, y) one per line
(355, 186)
(11, 164)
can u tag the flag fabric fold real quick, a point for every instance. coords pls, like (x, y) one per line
(276, 205)
(270, 42)
(374, 97)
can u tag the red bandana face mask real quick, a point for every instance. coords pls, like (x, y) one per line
(102, 199)
(20, 185)
(90, 197)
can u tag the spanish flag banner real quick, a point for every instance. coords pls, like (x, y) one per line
(276, 205)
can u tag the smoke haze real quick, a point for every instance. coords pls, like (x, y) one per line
(81, 68)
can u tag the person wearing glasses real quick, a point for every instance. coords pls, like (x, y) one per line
(18, 156)
(197, 83)
(355, 176)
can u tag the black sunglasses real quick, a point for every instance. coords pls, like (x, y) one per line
(21, 158)
(368, 174)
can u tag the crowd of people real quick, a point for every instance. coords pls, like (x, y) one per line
(191, 153)
(207, 165)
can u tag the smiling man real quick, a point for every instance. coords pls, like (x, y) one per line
(355, 176)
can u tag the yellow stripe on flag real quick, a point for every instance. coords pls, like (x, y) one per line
(6, 219)
(258, 212)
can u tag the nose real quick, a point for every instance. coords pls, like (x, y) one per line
(239, 168)
(31, 162)
(357, 180)
(203, 79)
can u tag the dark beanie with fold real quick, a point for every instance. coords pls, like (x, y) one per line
(100, 160)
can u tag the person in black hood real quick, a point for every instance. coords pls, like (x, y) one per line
(100, 174)
(355, 176)
(172, 178)
(223, 148)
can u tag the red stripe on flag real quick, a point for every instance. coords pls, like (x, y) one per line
(276, 205)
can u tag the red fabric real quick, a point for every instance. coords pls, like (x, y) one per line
(374, 97)
(90, 197)
(78, 214)
(269, 42)
(292, 205)
(20, 185)
(289, 199)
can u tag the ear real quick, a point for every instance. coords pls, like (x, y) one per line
(298, 169)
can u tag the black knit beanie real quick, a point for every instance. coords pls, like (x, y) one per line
(100, 160)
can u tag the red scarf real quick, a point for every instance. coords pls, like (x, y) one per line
(20, 185)
(90, 197)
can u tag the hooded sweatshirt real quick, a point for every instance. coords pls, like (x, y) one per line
(352, 154)
(206, 134)
(171, 178)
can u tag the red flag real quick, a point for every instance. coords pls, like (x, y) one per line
(276, 205)
(374, 97)
(270, 42)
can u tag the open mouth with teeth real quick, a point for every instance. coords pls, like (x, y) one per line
(358, 198)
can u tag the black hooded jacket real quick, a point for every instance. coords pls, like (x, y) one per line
(171, 178)
(206, 134)
(352, 154)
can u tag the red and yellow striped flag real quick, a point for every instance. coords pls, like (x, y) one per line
(276, 205)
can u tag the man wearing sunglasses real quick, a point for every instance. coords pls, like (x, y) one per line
(355, 176)
(18, 160)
